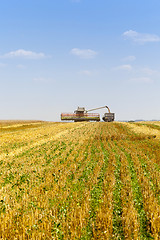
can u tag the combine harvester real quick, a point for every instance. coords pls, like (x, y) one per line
(81, 114)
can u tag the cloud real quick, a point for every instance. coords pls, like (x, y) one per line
(2, 65)
(21, 53)
(127, 67)
(141, 37)
(21, 66)
(149, 71)
(129, 59)
(83, 53)
(42, 80)
(141, 80)
(86, 72)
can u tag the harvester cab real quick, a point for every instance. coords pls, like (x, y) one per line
(80, 110)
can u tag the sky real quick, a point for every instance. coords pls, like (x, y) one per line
(56, 55)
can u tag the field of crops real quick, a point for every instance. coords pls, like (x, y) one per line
(79, 180)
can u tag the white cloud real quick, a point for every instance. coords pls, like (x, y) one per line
(141, 37)
(141, 80)
(83, 53)
(86, 72)
(21, 66)
(42, 80)
(127, 67)
(149, 71)
(21, 53)
(2, 65)
(129, 59)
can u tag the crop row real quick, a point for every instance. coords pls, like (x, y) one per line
(80, 181)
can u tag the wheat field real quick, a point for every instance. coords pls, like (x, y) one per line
(79, 180)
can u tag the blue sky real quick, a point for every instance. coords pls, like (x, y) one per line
(56, 55)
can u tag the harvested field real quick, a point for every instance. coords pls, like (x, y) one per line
(79, 180)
